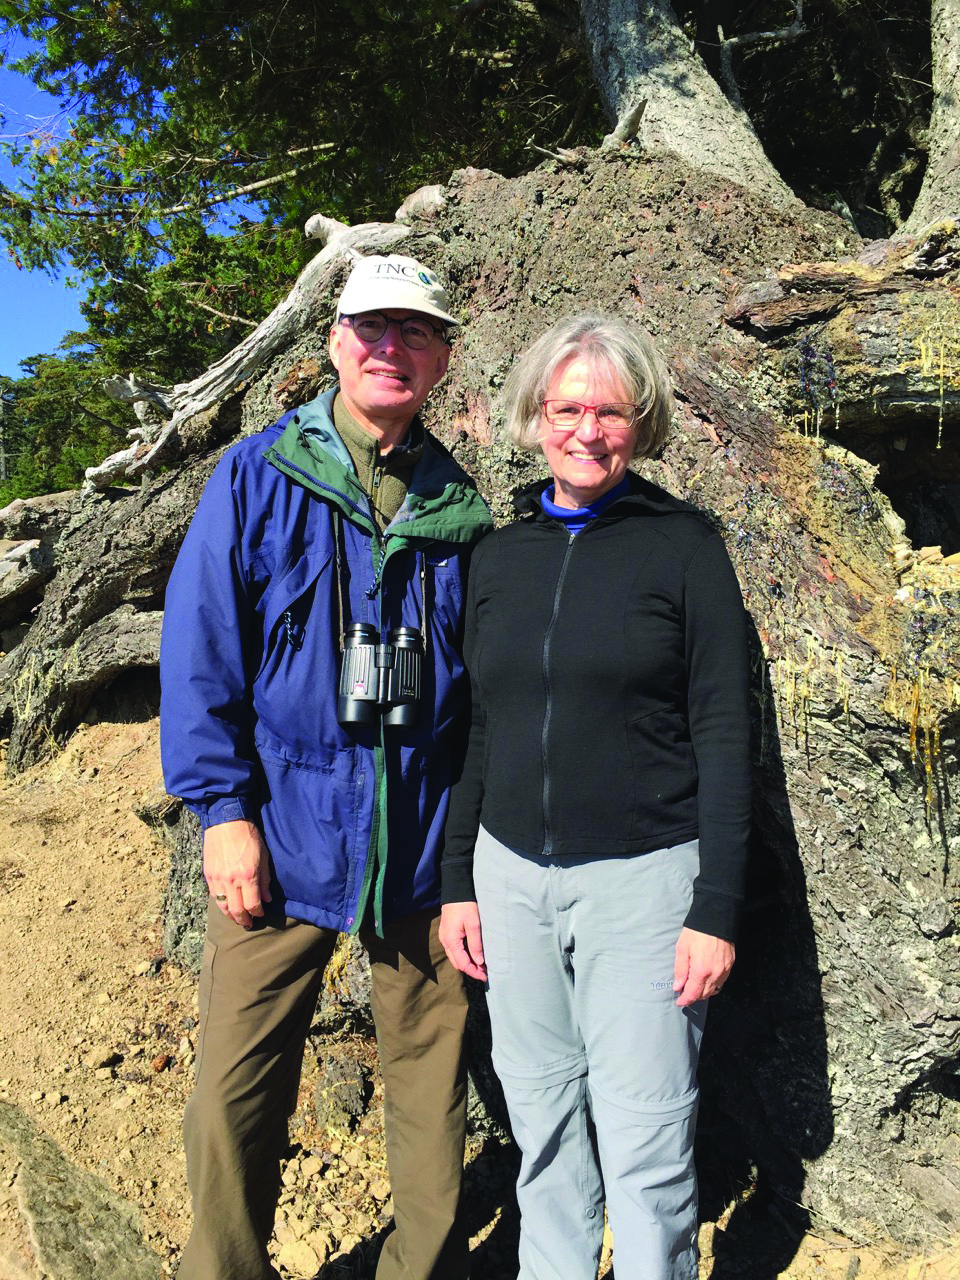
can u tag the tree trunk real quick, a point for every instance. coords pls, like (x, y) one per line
(638, 52)
(818, 422)
(940, 194)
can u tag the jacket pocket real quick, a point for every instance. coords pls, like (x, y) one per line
(664, 772)
(289, 605)
(316, 821)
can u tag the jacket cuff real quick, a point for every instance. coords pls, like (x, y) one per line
(715, 914)
(226, 809)
(456, 880)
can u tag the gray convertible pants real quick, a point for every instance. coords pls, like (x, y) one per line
(597, 1063)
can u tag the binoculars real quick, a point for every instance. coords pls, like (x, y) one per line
(380, 679)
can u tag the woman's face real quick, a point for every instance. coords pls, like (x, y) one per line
(591, 459)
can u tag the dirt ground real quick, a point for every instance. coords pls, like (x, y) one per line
(100, 1035)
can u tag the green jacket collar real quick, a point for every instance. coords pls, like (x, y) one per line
(442, 503)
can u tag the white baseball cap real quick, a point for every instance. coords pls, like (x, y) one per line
(378, 282)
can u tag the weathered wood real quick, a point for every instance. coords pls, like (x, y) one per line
(24, 570)
(100, 614)
(50, 692)
(882, 329)
(43, 517)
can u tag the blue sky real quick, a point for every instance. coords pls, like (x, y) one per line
(36, 311)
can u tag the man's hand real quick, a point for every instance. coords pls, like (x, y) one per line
(462, 939)
(236, 867)
(701, 967)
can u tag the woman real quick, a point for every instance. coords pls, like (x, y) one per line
(595, 846)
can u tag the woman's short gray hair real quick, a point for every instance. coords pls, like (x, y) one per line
(610, 347)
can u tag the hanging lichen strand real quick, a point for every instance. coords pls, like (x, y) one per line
(921, 691)
(817, 683)
(819, 392)
(933, 326)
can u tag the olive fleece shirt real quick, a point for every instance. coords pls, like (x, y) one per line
(384, 476)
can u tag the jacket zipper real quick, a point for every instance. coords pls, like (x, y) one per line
(547, 837)
(377, 838)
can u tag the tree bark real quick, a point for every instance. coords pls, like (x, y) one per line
(940, 194)
(100, 614)
(638, 51)
(814, 377)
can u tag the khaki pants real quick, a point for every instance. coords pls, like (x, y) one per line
(258, 993)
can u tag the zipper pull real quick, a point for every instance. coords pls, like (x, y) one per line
(377, 568)
(293, 637)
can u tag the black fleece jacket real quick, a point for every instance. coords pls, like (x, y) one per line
(609, 675)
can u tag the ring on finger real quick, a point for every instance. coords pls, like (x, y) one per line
(220, 897)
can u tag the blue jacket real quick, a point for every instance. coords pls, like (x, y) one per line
(250, 663)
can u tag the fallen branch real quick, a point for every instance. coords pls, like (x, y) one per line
(563, 156)
(728, 44)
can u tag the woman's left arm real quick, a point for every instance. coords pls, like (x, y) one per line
(718, 708)
(701, 967)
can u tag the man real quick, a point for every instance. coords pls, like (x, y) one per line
(313, 545)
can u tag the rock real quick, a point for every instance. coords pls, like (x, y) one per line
(102, 1055)
(73, 1227)
(320, 1243)
(297, 1257)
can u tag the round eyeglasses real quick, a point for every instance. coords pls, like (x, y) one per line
(417, 333)
(566, 415)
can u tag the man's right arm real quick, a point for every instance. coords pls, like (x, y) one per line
(206, 717)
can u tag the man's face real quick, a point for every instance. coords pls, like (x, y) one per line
(385, 382)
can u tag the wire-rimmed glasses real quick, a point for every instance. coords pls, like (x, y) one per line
(566, 415)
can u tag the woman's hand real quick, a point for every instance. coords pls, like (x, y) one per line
(701, 967)
(236, 867)
(462, 939)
